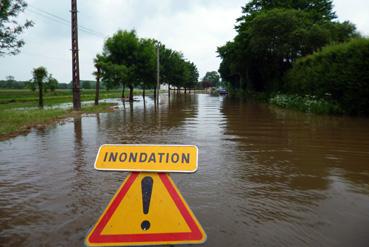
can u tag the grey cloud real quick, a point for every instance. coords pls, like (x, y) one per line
(195, 27)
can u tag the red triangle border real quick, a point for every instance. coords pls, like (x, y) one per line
(193, 235)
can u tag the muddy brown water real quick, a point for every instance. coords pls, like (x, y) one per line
(267, 177)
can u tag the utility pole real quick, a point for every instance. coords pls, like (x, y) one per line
(75, 59)
(157, 71)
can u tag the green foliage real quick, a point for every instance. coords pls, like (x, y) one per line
(317, 9)
(231, 64)
(272, 35)
(192, 75)
(52, 83)
(39, 76)
(118, 61)
(86, 85)
(338, 73)
(39, 79)
(128, 60)
(42, 81)
(306, 104)
(26, 98)
(211, 79)
(15, 120)
(64, 86)
(171, 66)
(11, 83)
(146, 63)
(10, 29)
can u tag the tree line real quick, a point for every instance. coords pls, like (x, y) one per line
(272, 35)
(126, 60)
(11, 83)
(131, 62)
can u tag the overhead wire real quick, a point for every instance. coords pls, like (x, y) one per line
(33, 54)
(61, 20)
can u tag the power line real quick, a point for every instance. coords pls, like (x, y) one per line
(34, 54)
(41, 11)
(65, 22)
(61, 20)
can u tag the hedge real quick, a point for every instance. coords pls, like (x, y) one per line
(338, 73)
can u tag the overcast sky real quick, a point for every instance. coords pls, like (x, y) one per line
(194, 27)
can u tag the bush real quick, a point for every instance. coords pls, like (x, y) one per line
(338, 73)
(306, 104)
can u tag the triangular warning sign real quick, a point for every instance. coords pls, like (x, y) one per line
(147, 209)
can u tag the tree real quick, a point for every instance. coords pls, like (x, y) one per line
(86, 85)
(194, 75)
(146, 64)
(131, 61)
(31, 85)
(338, 73)
(52, 83)
(115, 75)
(172, 68)
(166, 65)
(231, 64)
(39, 79)
(10, 81)
(98, 74)
(271, 35)
(120, 52)
(190, 75)
(317, 9)
(10, 78)
(10, 29)
(211, 79)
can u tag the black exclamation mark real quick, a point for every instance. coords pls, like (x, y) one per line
(146, 185)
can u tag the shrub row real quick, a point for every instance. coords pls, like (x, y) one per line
(305, 104)
(338, 74)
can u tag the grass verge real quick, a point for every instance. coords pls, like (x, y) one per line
(11, 96)
(307, 103)
(14, 122)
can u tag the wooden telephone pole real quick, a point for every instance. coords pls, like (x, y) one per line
(75, 58)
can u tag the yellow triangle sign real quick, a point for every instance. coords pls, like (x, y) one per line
(147, 209)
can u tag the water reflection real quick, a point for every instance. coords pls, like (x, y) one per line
(267, 177)
(295, 165)
(78, 144)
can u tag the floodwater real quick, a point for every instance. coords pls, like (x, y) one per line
(267, 177)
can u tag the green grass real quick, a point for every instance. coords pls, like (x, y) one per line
(18, 121)
(305, 104)
(15, 121)
(59, 96)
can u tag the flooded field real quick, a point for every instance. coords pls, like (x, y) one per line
(267, 177)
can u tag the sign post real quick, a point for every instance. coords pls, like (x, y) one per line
(148, 208)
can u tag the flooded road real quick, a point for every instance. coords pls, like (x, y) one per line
(267, 177)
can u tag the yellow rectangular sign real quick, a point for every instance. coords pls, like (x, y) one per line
(149, 158)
